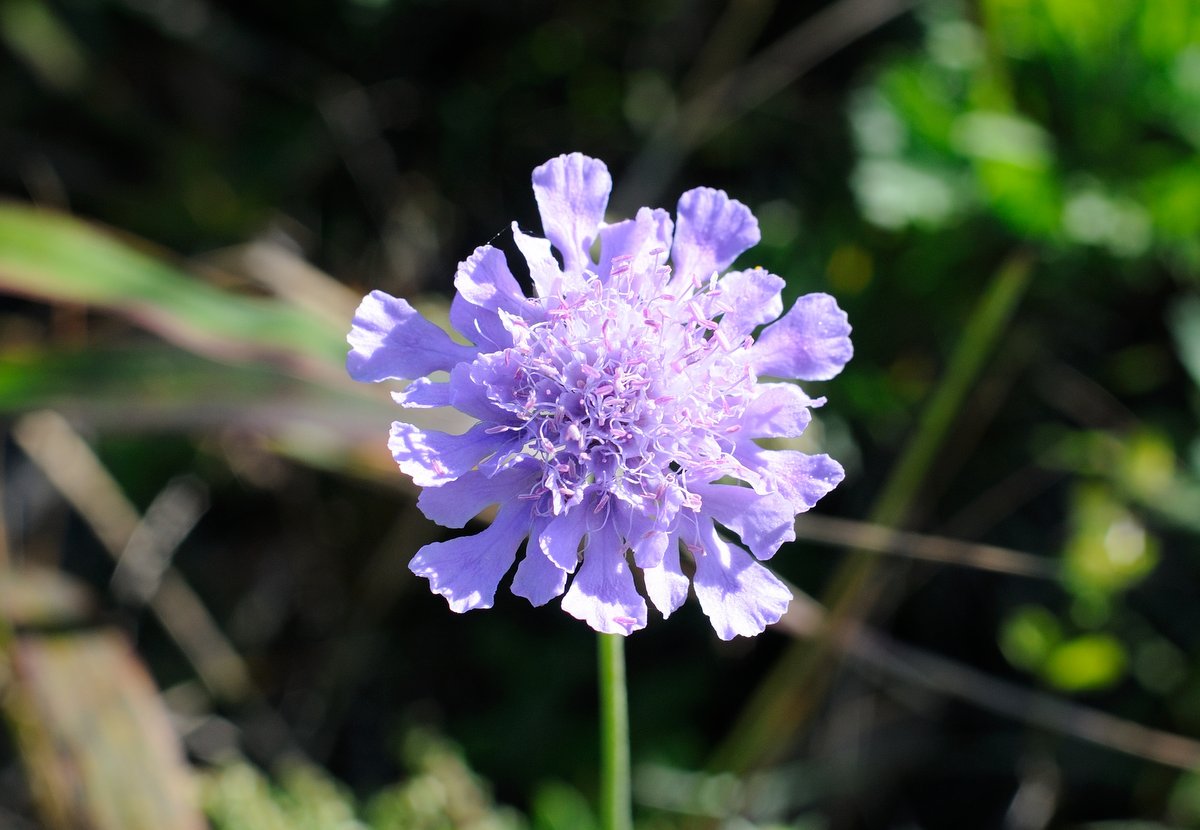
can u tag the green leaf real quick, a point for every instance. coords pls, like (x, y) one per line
(1109, 549)
(1085, 663)
(56, 258)
(1028, 636)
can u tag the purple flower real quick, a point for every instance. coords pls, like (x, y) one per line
(618, 410)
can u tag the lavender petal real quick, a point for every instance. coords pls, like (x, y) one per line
(467, 570)
(572, 192)
(710, 231)
(740, 596)
(810, 342)
(390, 340)
(431, 457)
(602, 594)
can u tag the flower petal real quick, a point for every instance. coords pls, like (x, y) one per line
(740, 596)
(572, 192)
(390, 340)
(484, 286)
(481, 326)
(710, 231)
(764, 522)
(548, 278)
(800, 478)
(423, 393)
(456, 502)
(810, 342)
(747, 299)
(560, 538)
(778, 410)
(431, 457)
(602, 594)
(635, 238)
(666, 584)
(483, 279)
(473, 387)
(467, 570)
(537, 578)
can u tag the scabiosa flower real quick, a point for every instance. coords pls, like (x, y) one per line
(618, 410)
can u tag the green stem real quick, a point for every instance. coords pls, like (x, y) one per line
(616, 812)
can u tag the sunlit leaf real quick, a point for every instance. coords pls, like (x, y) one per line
(1085, 663)
(1109, 549)
(56, 258)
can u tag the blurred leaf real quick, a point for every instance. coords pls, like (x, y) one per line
(1028, 635)
(1092, 30)
(40, 597)
(894, 193)
(1168, 28)
(34, 33)
(1085, 663)
(1147, 466)
(339, 426)
(1185, 326)
(1026, 197)
(557, 806)
(1093, 217)
(96, 741)
(1184, 803)
(56, 258)
(1172, 197)
(157, 386)
(1109, 549)
(1002, 137)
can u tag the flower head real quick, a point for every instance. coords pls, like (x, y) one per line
(618, 410)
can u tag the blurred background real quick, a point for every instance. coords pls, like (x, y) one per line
(205, 612)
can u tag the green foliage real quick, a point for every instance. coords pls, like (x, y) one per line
(443, 795)
(1012, 118)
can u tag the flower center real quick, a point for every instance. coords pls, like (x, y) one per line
(626, 387)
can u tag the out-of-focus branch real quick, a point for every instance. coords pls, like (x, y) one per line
(881, 539)
(823, 34)
(75, 471)
(946, 677)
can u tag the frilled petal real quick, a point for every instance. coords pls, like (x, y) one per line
(481, 326)
(473, 388)
(467, 570)
(423, 393)
(572, 192)
(763, 521)
(484, 286)
(800, 478)
(710, 231)
(778, 410)
(483, 279)
(666, 583)
(561, 536)
(537, 578)
(740, 596)
(390, 340)
(456, 502)
(602, 594)
(432, 458)
(747, 299)
(548, 279)
(646, 526)
(810, 342)
(635, 239)
(649, 548)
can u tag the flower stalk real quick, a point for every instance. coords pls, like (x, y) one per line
(616, 812)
